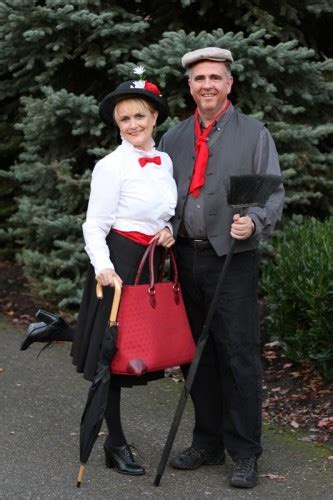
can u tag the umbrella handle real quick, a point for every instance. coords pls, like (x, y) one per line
(99, 291)
(115, 302)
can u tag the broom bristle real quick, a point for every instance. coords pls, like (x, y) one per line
(251, 190)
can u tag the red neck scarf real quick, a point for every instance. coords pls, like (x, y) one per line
(202, 151)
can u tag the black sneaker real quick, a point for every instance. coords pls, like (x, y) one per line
(192, 458)
(245, 473)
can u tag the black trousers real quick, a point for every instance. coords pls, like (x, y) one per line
(227, 388)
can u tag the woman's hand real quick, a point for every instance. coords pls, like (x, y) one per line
(164, 238)
(242, 227)
(106, 277)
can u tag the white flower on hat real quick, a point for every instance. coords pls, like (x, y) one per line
(139, 70)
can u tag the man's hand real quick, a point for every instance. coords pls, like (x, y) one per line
(242, 228)
(106, 277)
(164, 238)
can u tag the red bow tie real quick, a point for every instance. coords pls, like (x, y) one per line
(146, 159)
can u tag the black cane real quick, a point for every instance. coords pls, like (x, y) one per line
(244, 191)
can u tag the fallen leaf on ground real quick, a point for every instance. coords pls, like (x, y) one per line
(277, 477)
(307, 439)
(321, 439)
(276, 343)
(270, 354)
(325, 423)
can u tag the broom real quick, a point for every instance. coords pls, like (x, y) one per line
(244, 191)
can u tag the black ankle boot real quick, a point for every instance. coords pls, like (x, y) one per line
(53, 327)
(122, 459)
(245, 473)
(46, 316)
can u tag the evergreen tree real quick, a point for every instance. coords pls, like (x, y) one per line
(280, 84)
(54, 173)
(308, 21)
(73, 45)
(61, 57)
(9, 148)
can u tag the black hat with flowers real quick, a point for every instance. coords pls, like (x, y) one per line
(134, 89)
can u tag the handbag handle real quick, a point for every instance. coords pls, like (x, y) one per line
(142, 262)
(150, 253)
(115, 302)
(151, 250)
(151, 265)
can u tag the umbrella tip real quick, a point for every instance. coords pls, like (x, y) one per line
(80, 476)
(157, 480)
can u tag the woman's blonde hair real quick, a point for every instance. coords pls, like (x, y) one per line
(134, 103)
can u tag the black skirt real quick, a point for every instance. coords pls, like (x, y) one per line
(94, 313)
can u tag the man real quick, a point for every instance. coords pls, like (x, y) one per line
(219, 141)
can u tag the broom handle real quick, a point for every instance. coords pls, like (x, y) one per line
(115, 302)
(193, 369)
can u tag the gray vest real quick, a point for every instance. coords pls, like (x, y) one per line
(231, 153)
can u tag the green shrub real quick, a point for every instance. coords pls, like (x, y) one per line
(298, 286)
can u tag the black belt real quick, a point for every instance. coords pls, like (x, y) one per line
(198, 244)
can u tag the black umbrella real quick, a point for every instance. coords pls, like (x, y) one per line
(92, 417)
(244, 191)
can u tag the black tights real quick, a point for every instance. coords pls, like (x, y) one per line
(116, 435)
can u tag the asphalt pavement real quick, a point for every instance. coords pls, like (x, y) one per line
(40, 410)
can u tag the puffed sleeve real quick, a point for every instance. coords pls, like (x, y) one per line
(102, 209)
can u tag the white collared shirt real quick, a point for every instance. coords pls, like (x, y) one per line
(127, 197)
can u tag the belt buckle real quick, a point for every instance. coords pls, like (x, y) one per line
(200, 244)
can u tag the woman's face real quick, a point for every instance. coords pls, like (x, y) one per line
(136, 121)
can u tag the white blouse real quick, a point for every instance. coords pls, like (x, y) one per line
(127, 197)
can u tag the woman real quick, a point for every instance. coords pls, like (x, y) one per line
(133, 196)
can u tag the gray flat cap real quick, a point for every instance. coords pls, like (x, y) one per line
(208, 53)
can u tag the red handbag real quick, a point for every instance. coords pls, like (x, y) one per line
(153, 329)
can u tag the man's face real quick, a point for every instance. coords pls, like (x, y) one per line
(210, 85)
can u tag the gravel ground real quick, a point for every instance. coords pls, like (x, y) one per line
(41, 404)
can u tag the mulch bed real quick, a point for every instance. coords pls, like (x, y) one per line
(295, 396)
